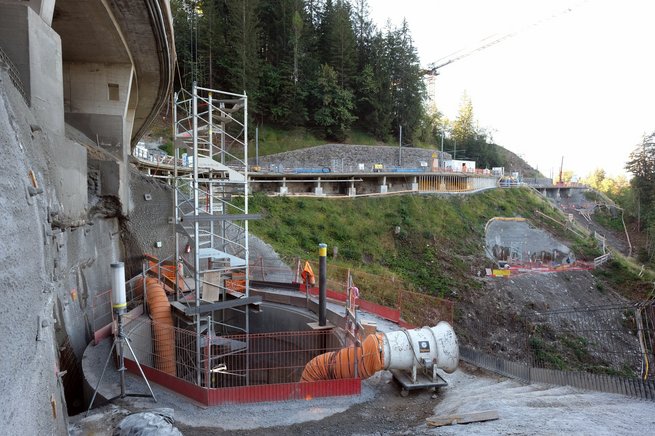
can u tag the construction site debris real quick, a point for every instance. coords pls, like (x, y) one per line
(462, 418)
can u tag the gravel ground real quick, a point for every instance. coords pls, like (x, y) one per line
(380, 410)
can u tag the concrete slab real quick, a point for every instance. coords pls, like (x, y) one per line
(514, 240)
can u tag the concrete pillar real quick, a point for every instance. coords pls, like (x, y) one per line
(351, 190)
(414, 185)
(318, 190)
(284, 189)
(100, 100)
(35, 50)
(43, 8)
(383, 186)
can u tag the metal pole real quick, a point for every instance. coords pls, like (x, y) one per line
(245, 226)
(196, 230)
(257, 146)
(121, 355)
(400, 147)
(322, 284)
(176, 185)
(210, 190)
(441, 165)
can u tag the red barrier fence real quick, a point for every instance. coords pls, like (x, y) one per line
(239, 368)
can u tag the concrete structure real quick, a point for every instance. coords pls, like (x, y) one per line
(514, 240)
(369, 183)
(104, 68)
(80, 81)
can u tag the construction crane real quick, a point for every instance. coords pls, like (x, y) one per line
(490, 41)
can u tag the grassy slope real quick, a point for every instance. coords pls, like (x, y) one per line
(434, 243)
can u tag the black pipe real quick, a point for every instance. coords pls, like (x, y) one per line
(322, 284)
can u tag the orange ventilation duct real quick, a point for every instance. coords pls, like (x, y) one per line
(163, 335)
(341, 364)
(402, 349)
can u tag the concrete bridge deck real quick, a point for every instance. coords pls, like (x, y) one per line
(102, 67)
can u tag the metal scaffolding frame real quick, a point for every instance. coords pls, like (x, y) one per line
(211, 221)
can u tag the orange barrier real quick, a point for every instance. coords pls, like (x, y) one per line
(167, 269)
(163, 337)
(341, 364)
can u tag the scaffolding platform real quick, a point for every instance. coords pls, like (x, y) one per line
(216, 255)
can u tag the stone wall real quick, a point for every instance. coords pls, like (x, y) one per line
(347, 158)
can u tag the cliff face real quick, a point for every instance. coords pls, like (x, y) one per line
(55, 260)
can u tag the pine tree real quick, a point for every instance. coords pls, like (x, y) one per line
(337, 41)
(464, 124)
(334, 113)
(641, 164)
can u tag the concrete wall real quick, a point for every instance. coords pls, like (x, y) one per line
(96, 98)
(35, 49)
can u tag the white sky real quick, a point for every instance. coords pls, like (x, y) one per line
(580, 85)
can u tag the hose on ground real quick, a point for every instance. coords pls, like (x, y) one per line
(341, 364)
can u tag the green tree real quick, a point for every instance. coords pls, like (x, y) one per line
(337, 41)
(282, 100)
(595, 179)
(407, 87)
(464, 124)
(334, 113)
(641, 164)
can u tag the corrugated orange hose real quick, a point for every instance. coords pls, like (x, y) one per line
(341, 364)
(163, 336)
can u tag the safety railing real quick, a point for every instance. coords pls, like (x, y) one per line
(232, 366)
(271, 271)
(388, 297)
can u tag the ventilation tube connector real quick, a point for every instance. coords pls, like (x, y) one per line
(402, 349)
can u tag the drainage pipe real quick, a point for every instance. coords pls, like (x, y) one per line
(163, 336)
(403, 349)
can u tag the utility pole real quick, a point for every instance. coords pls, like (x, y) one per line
(400, 147)
(257, 145)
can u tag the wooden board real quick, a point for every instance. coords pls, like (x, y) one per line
(462, 418)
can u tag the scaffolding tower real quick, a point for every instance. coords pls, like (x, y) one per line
(211, 222)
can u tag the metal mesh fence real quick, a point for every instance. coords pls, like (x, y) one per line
(228, 361)
(614, 340)
(271, 271)
(13, 74)
(604, 348)
(389, 291)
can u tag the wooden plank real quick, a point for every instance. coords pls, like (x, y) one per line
(462, 418)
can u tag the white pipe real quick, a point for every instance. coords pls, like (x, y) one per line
(118, 298)
(426, 346)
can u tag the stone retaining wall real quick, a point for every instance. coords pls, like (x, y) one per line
(347, 158)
